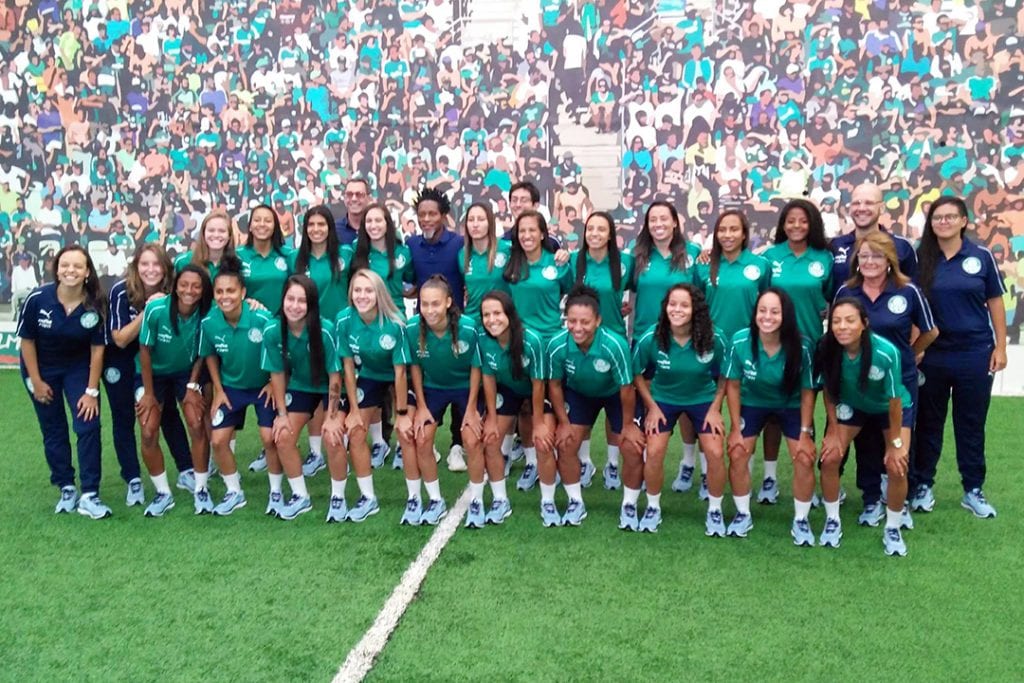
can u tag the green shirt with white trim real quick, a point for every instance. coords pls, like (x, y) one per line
(478, 279)
(495, 360)
(538, 294)
(597, 372)
(883, 383)
(679, 375)
(170, 352)
(654, 281)
(376, 348)
(807, 279)
(333, 290)
(733, 296)
(444, 365)
(264, 276)
(300, 375)
(599, 276)
(761, 377)
(238, 346)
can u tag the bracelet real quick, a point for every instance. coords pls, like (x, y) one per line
(807, 430)
(91, 392)
(284, 414)
(194, 386)
(402, 411)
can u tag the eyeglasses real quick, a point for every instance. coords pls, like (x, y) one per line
(871, 256)
(863, 202)
(946, 218)
(355, 195)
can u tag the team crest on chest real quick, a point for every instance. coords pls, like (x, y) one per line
(897, 304)
(500, 259)
(255, 335)
(387, 342)
(399, 261)
(462, 346)
(280, 263)
(549, 272)
(601, 365)
(751, 272)
(972, 265)
(875, 373)
(90, 319)
(706, 357)
(816, 269)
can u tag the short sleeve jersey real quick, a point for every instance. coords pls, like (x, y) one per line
(680, 375)
(170, 352)
(883, 382)
(599, 276)
(333, 290)
(654, 281)
(761, 377)
(538, 294)
(376, 348)
(733, 294)
(444, 365)
(807, 279)
(62, 340)
(478, 279)
(186, 258)
(300, 374)
(401, 274)
(265, 275)
(495, 360)
(959, 298)
(597, 372)
(238, 346)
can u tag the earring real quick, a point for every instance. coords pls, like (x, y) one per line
(888, 269)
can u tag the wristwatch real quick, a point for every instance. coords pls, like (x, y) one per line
(807, 430)
(95, 393)
(897, 442)
(194, 386)
(402, 411)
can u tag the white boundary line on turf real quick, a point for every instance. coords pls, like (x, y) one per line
(362, 657)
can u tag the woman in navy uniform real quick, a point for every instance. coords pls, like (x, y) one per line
(963, 285)
(61, 331)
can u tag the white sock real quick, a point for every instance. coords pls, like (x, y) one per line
(574, 491)
(315, 443)
(703, 462)
(832, 510)
(585, 452)
(298, 486)
(654, 500)
(547, 493)
(531, 455)
(275, 482)
(690, 454)
(160, 483)
(613, 455)
(202, 480)
(231, 444)
(412, 487)
(742, 504)
(366, 486)
(476, 491)
(714, 503)
(506, 444)
(377, 432)
(433, 489)
(338, 488)
(233, 482)
(801, 508)
(771, 467)
(892, 518)
(498, 490)
(630, 496)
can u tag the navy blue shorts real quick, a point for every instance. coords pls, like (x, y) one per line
(166, 387)
(240, 400)
(753, 420)
(696, 412)
(509, 403)
(852, 417)
(438, 401)
(371, 393)
(304, 401)
(583, 410)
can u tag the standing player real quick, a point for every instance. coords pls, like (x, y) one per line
(265, 258)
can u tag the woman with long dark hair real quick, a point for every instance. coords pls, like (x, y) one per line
(964, 286)
(535, 280)
(379, 249)
(266, 260)
(61, 332)
(770, 377)
(483, 258)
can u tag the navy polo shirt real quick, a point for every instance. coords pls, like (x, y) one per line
(62, 341)
(346, 233)
(959, 297)
(120, 313)
(440, 257)
(842, 253)
(892, 315)
(551, 243)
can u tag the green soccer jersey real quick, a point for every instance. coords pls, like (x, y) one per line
(653, 283)
(807, 279)
(376, 348)
(538, 294)
(238, 346)
(883, 381)
(300, 375)
(478, 279)
(733, 295)
(401, 274)
(443, 366)
(186, 258)
(597, 372)
(171, 352)
(679, 376)
(494, 360)
(333, 289)
(599, 276)
(761, 377)
(265, 275)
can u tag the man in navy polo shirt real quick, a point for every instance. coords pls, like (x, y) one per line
(357, 198)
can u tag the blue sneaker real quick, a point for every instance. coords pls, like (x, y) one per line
(378, 453)
(575, 513)
(508, 464)
(396, 462)
(612, 482)
(363, 508)
(923, 499)
(161, 503)
(684, 481)
(313, 463)
(412, 513)
(884, 489)
(627, 518)
(92, 507)
(202, 503)
(815, 501)
(517, 452)
(528, 479)
(892, 541)
(68, 500)
(296, 505)
(769, 493)
(651, 520)
(872, 515)
(702, 494)
(906, 521)
(232, 501)
(587, 472)
(435, 511)
(475, 518)
(187, 481)
(801, 533)
(832, 534)
(337, 510)
(499, 512)
(842, 495)
(135, 495)
(275, 503)
(741, 525)
(260, 463)
(974, 500)
(549, 516)
(714, 524)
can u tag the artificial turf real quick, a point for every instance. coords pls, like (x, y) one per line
(252, 598)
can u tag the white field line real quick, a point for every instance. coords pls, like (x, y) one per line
(361, 658)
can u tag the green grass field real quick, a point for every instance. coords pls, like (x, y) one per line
(251, 598)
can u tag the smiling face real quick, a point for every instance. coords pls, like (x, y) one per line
(768, 314)
(228, 292)
(150, 270)
(871, 262)
(519, 201)
(364, 296)
(189, 288)
(428, 213)
(947, 221)
(530, 235)
(582, 322)
(730, 235)
(376, 224)
(847, 325)
(316, 229)
(294, 304)
(72, 269)
(661, 225)
(796, 225)
(597, 233)
(218, 232)
(679, 308)
(494, 317)
(434, 303)
(866, 206)
(261, 225)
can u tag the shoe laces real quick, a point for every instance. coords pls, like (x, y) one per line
(768, 484)
(803, 525)
(548, 508)
(650, 513)
(716, 516)
(276, 497)
(978, 496)
(363, 500)
(893, 534)
(337, 502)
(629, 509)
(831, 525)
(573, 506)
(476, 507)
(67, 494)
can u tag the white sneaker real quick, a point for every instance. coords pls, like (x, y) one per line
(456, 459)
